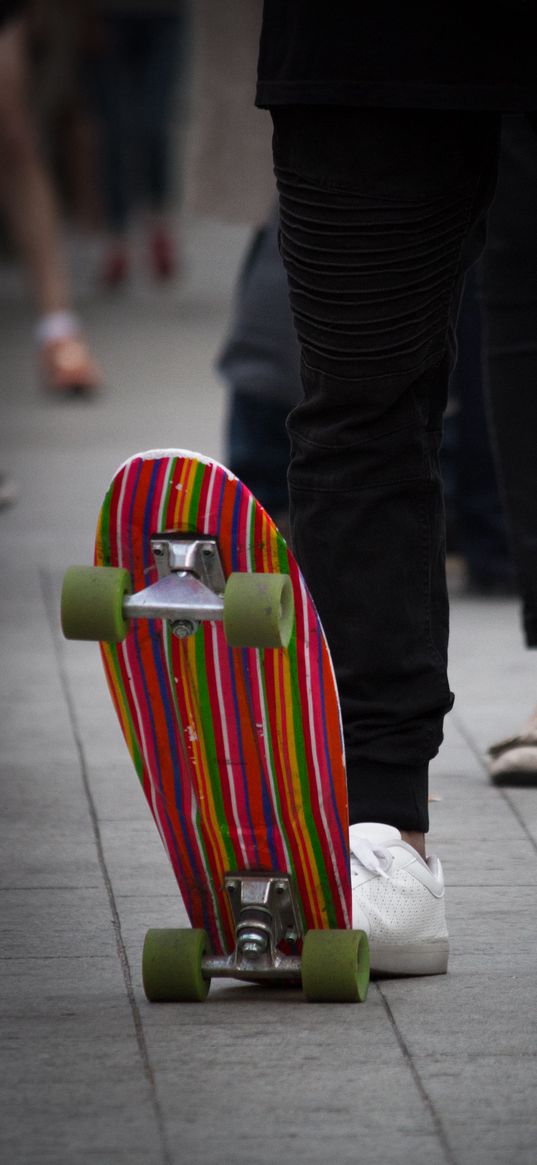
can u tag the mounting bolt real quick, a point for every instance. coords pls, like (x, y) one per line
(158, 551)
(182, 628)
(252, 944)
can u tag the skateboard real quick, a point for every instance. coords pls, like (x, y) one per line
(223, 685)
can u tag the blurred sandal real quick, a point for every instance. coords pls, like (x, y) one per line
(162, 255)
(514, 761)
(68, 368)
(66, 365)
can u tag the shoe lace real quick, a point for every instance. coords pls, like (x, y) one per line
(377, 859)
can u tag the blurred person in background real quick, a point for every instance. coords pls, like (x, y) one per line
(508, 288)
(31, 215)
(259, 362)
(476, 533)
(135, 60)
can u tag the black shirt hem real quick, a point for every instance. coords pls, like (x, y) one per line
(505, 98)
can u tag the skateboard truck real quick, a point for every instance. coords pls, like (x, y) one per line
(265, 913)
(256, 608)
(332, 967)
(190, 586)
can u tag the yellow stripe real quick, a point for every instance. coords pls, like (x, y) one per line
(300, 830)
(317, 898)
(189, 493)
(99, 555)
(187, 658)
(266, 544)
(186, 469)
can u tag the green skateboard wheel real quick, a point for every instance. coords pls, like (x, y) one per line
(258, 610)
(171, 966)
(335, 966)
(92, 603)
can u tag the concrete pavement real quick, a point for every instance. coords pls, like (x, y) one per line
(440, 1071)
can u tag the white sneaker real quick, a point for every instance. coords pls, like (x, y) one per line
(398, 899)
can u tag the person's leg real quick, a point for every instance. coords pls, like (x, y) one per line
(260, 363)
(508, 281)
(162, 63)
(479, 516)
(25, 188)
(160, 71)
(380, 215)
(32, 216)
(111, 89)
(258, 450)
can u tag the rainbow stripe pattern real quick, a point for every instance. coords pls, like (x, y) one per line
(239, 751)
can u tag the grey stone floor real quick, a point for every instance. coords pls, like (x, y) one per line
(439, 1070)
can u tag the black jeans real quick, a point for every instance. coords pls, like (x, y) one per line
(508, 279)
(381, 213)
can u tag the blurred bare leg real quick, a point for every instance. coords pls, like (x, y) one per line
(25, 188)
(33, 220)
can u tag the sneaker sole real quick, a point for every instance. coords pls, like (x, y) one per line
(419, 959)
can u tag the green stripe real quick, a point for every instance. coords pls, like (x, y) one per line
(199, 832)
(283, 556)
(208, 737)
(137, 757)
(201, 689)
(193, 514)
(103, 528)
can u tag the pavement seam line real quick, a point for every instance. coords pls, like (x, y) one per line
(47, 592)
(427, 1100)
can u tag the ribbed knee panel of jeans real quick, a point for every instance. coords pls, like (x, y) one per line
(370, 284)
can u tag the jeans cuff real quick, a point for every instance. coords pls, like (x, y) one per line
(391, 794)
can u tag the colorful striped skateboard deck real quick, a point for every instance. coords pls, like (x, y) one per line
(239, 750)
